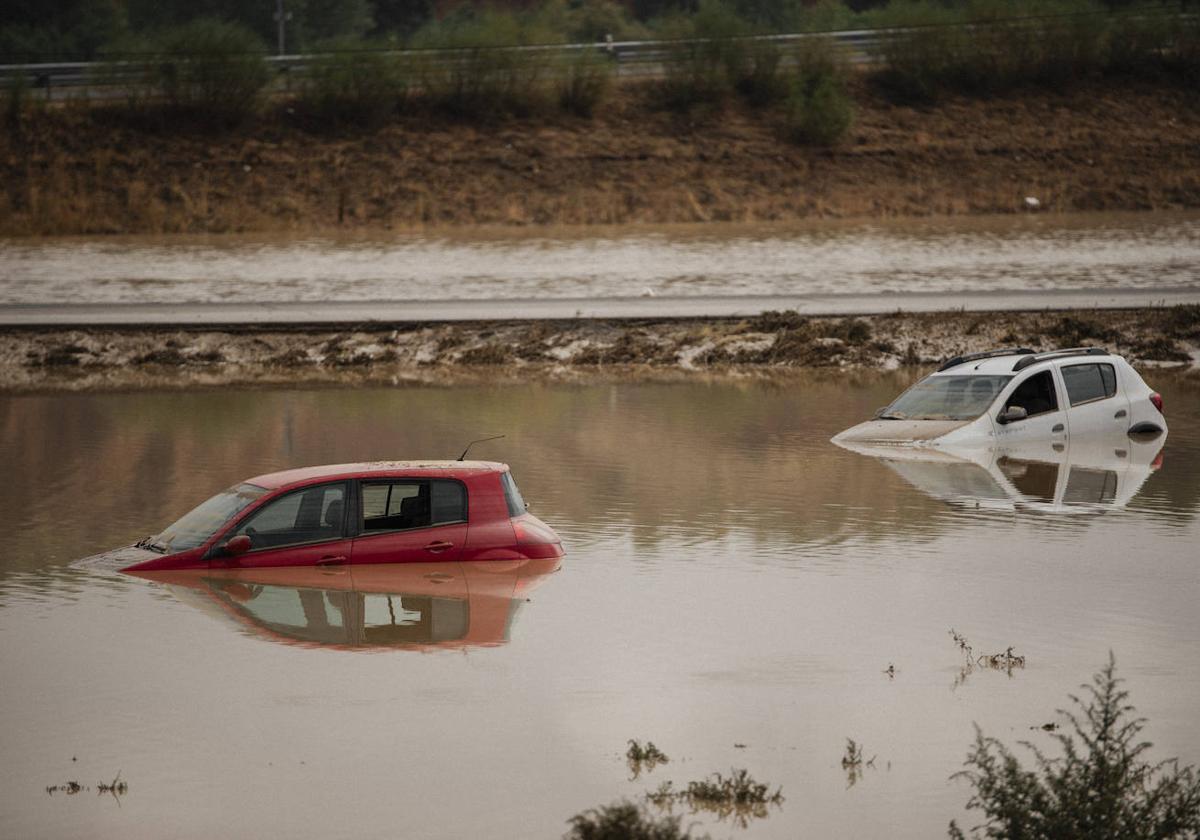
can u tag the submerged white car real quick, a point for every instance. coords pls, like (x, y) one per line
(1005, 397)
(1085, 474)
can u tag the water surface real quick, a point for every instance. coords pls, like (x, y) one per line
(1097, 252)
(732, 578)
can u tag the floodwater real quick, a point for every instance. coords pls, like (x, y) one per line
(1146, 252)
(732, 579)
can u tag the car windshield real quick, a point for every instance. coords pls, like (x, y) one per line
(196, 526)
(946, 398)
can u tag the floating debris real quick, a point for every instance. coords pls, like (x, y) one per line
(1007, 661)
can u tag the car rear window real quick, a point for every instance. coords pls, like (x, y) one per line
(1089, 382)
(516, 505)
(412, 503)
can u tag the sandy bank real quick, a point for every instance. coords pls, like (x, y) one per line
(489, 352)
(1101, 146)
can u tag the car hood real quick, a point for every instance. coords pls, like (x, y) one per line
(897, 431)
(117, 558)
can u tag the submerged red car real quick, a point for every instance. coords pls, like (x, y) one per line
(383, 512)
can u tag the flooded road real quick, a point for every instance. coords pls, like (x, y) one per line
(732, 579)
(1086, 252)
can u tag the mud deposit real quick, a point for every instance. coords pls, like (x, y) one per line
(486, 352)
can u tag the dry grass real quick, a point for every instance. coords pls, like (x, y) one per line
(76, 170)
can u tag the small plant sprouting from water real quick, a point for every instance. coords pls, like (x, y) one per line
(854, 763)
(116, 788)
(738, 797)
(1099, 788)
(1006, 661)
(644, 757)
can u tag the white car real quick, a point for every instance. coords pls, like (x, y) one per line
(1009, 397)
(1086, 474)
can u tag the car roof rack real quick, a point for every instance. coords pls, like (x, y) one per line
(1034, 358)
(974, 357)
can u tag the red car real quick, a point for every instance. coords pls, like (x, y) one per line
(385, 512)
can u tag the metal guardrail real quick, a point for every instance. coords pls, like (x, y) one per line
(631, 58)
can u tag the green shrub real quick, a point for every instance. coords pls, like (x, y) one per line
(1100, 789)
(582, 83)
(819, 109)
(706, 57)
(211, 70)
(352, 85)
(625, 821)
(483, 77)
(762, 80)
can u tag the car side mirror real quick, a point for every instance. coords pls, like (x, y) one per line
(1012, 413)
(237, 546)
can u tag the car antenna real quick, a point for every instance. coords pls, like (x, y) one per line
(472, 443)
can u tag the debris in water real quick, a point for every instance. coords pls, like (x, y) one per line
(890, 670)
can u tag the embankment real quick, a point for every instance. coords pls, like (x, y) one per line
(491, 352)
(1111, 145)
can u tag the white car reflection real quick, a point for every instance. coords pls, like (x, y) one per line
(1079, 475)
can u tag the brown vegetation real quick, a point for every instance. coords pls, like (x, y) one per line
(102, 358)
(1102, 146)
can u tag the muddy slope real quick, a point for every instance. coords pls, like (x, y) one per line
(98, 359)
(1106, 146)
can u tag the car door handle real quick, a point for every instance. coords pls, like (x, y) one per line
(331, 560)
(1058, 427)
(438, 546)
(1119, 414)
(438, 577)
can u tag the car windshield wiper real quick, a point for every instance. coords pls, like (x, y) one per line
(149, 544)
(892, 415)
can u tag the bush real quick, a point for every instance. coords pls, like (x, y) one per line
(353, 85)
(706, 58)
(1099, 789)
(624, 821)
(762, 81)
(819, 110)
(211, 70)
(483, 78)
(583, 82)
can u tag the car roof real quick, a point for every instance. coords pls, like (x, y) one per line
(1004, 363)
(376, 469)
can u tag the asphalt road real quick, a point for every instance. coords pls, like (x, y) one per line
(355, 312)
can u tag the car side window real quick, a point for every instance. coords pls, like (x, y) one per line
(1085, 383)
(1036, 395)
(309, 515)
(404, 504)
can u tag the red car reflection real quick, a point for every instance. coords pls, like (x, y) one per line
(416, 606)
(359, 514)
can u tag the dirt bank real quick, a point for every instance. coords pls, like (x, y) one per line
(100, 359)
(1107, 146)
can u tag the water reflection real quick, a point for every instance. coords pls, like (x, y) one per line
(415, 606)
(1081, 475)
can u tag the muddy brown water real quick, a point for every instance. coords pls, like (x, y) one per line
(732, 578)
(1094, 252)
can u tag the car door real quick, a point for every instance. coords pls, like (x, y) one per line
(1097, 404)
(304, 527)
(410, 520)
(1046, 417)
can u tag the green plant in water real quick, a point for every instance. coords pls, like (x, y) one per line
(626, 821)
(644, 757)
(1101, 788)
